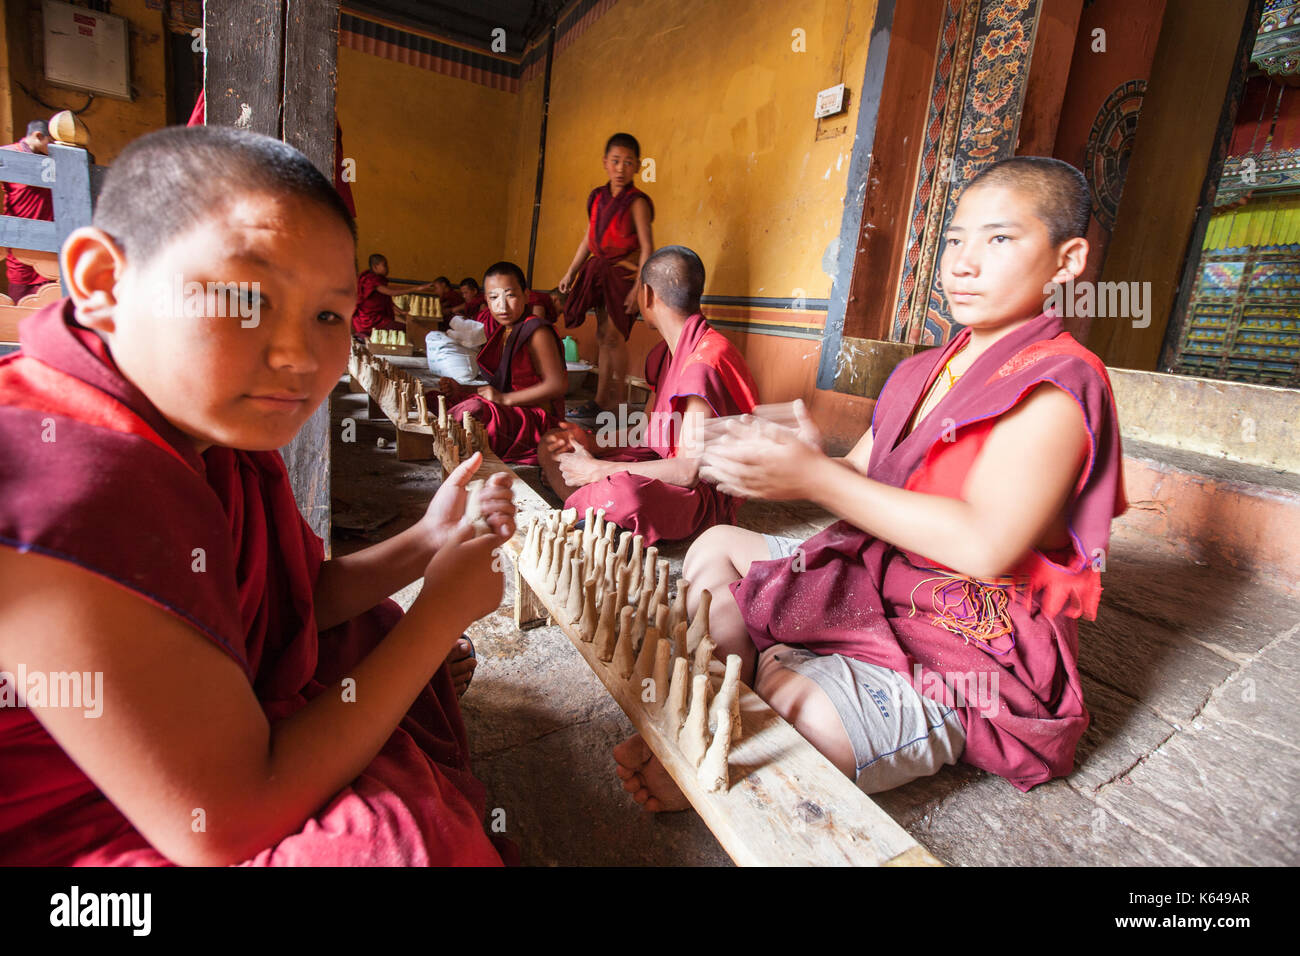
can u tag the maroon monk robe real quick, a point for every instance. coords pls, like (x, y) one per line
(610, 272)
(705, 365)
(846, 592)
(123, 494)
(25, 202)
(374, 308)
(514, 430)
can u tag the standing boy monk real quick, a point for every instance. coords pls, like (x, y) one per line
(374, 309)
(605, 269)
(523, 363)
(937, 619)
(259, 703)
(649, 484)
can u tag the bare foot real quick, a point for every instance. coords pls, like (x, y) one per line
(461, 662)
(645, 778)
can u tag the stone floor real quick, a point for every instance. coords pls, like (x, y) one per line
(1193, 756)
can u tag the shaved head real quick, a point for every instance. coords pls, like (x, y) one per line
(376, 259)
(677, 276)
(1058, 191)
(167, 182)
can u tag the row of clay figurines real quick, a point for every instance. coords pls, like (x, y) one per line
(452, 440)
(616, 597)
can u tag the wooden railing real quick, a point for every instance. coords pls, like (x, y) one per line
(74, 181)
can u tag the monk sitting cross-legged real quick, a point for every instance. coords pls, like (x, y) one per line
(647, 478)
(523, 363)
(937, 619)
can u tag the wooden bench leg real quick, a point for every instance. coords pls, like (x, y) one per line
(529, 611)
(414, 446)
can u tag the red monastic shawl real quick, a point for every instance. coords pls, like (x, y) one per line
(609, 274)
(846, 592)
(513, 431)
(707, 365)
(374, 308)
(123, 494)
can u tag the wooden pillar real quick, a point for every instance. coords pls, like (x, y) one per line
(271, 66)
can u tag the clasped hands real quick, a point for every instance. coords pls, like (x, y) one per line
(765, 455)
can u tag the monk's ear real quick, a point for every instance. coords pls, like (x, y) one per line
(92, 263)
(1071, 259)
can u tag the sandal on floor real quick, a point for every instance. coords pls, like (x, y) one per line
(589, 410)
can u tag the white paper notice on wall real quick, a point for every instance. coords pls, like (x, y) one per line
(829, 101)
(86, 50)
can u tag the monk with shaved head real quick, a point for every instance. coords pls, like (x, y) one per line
(646, 476)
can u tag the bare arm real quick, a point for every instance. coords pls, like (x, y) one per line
(391, 290)
(1014, 493)
(579, 258)
(549, 362)
(351, 584)
(641, 218)
(183, 739)
(580, 467)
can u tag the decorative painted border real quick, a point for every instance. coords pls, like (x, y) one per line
(370, 34)
(985, 47)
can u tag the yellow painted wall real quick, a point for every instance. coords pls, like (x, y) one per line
(112, 123)
(723, 105)
(431, 205)
(744, 174)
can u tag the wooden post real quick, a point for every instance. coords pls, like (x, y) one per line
(271, 66)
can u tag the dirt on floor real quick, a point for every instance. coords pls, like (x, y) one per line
(1189, 673)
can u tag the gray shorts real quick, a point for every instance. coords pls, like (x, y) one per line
(781, 547)
(897, 735)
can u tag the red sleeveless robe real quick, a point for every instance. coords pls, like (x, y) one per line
(705, 365)
(608, 275)
(849, 593)
(124, 495)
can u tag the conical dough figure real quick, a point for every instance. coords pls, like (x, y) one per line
(605, 635)
(624, 654)
(663, 665)
(694, 738)
(700, 626)
(587, 629)
(645, 659)
(713, 774)
(675, 710)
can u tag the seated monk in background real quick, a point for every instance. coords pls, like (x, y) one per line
(650, 486)
(374, 309)
(938, 619)
(452, 301)
(473, 296)
(523, 363)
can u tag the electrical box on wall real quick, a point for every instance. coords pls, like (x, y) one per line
(829, 102)
(85, 50)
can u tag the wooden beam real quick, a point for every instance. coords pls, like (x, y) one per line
(270, 66)
(1194, 63)
(786, 804)
(311, 43)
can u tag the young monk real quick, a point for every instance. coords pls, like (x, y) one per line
(649, 483)
(937, 619)
(472, 296)
(605, 268)
(452, 300)
(523, 363)
(27, 202)
(260, 704)
(374, 309)
(542, 305)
